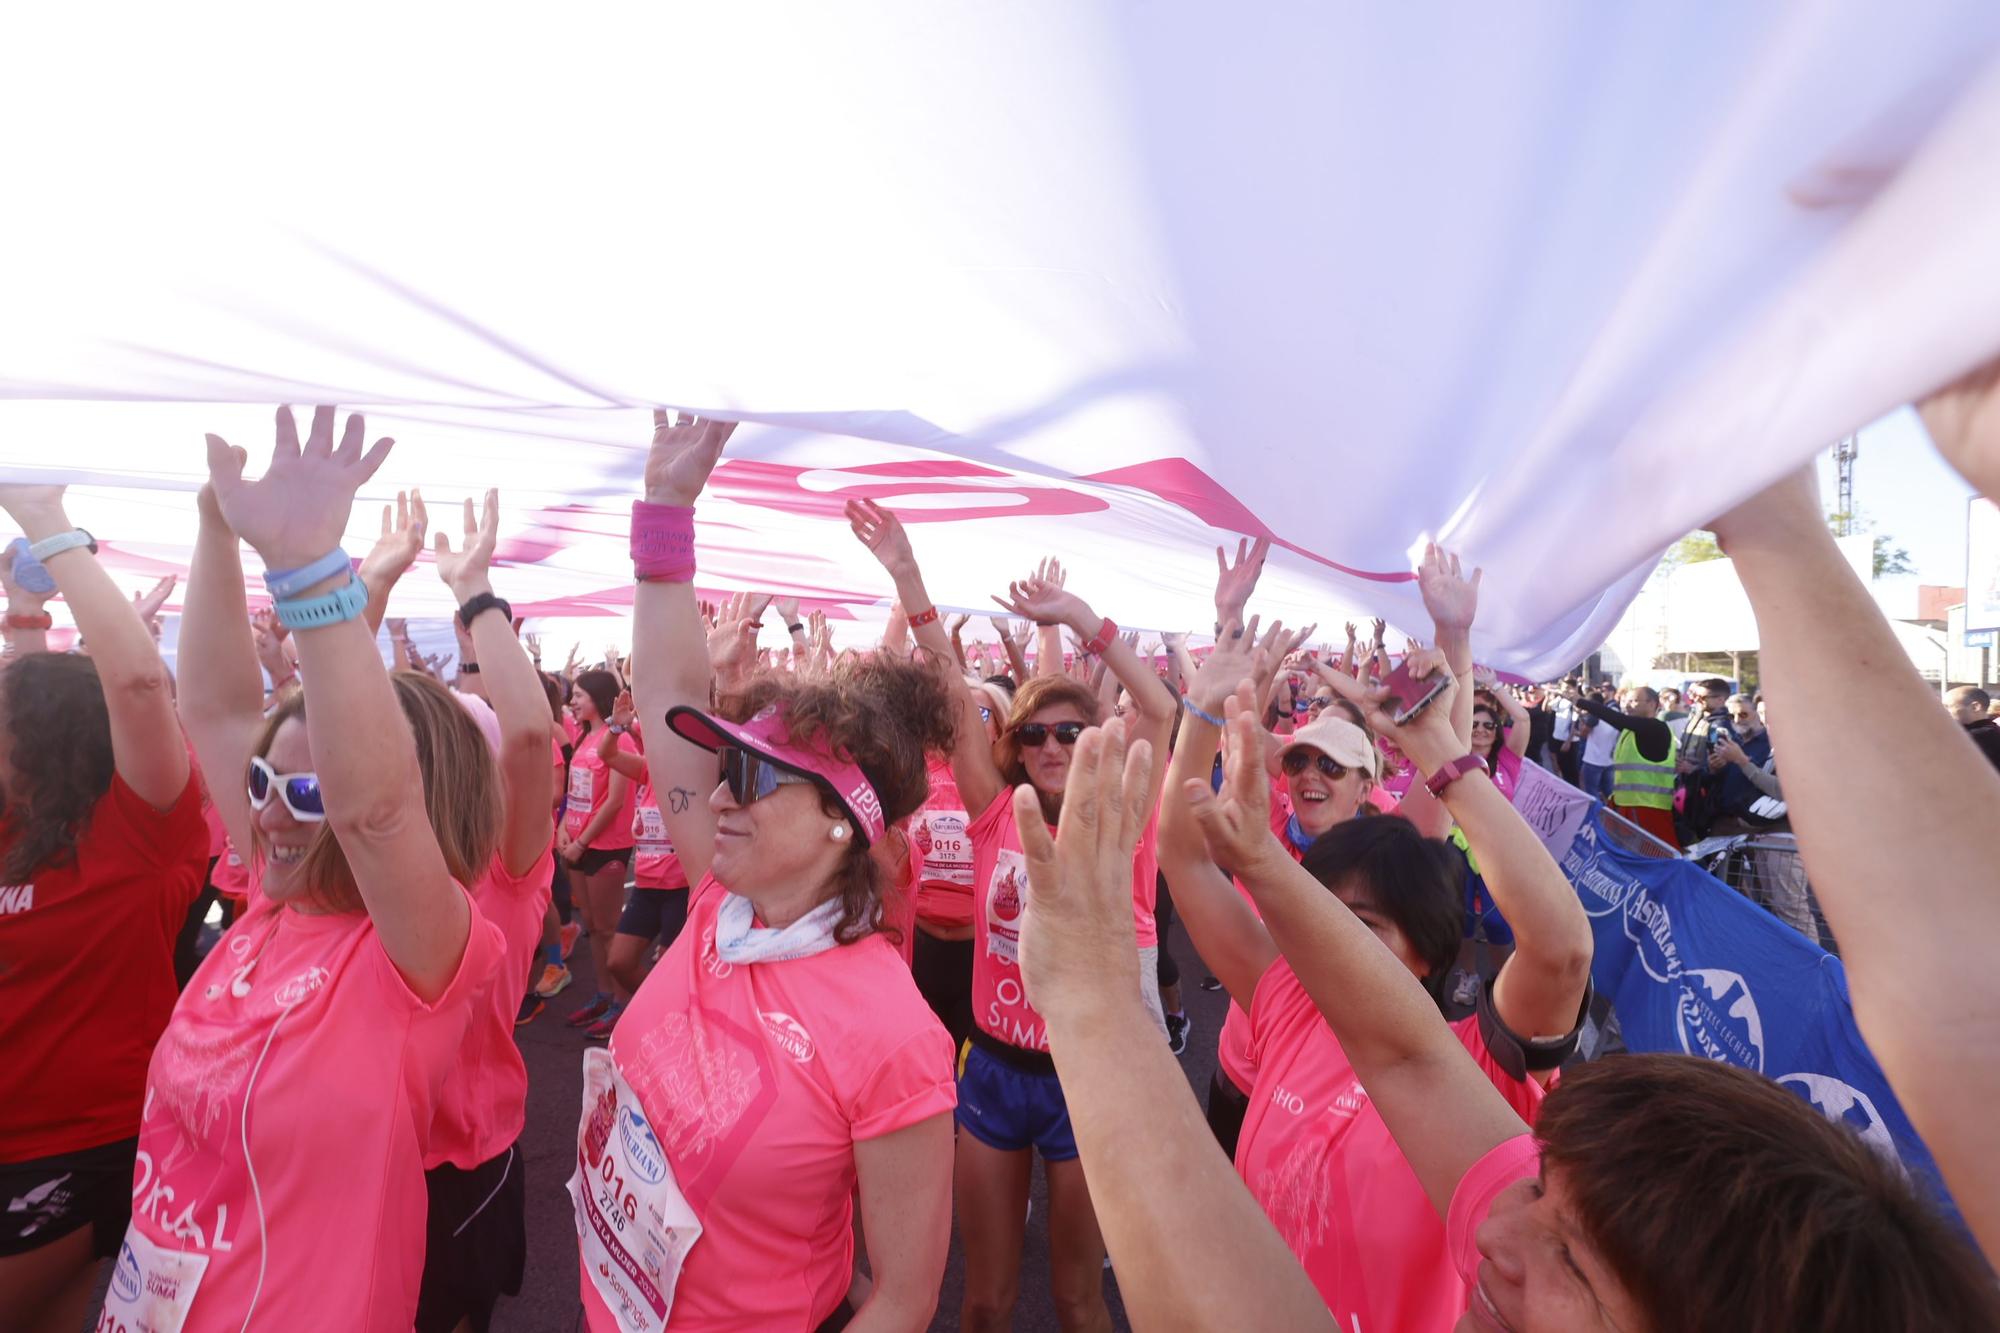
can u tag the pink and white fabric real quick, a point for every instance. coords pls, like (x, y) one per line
(1480, 271)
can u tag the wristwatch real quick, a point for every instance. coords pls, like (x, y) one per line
(617, 729)
(62, 541)
(1452, 772)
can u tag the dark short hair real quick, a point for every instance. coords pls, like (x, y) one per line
(602, 687)
(1972, 694)
(1723, 1201)
(1713, 685)
(1417, 882)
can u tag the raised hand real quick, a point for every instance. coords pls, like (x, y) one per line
(882, 533)
(1077, 942)
(732, 644)
(298, 510)
(1963, 419)
(1236, 822)
(956, 625)
(623, 713)
(148, 603)
(1428, 738)
(1041, 599)
(1174, 641)
(1381, 628)
(1234, 583)
(402, 539)
(1450, 597)
(465, 571)
(682, 455)
(1485, 677)
(269, 637)
(788, 608)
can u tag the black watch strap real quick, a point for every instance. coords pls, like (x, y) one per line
(480, 605)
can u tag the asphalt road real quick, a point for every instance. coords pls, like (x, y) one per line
(548, 1301)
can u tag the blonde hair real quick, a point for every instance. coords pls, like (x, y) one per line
(461, 781)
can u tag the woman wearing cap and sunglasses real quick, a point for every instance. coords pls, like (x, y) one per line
(292, 1100)
(1010, 1101)
(778, 1055)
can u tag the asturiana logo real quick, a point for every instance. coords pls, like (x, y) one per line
(125, 1277)
(642, 1149)
(790, 1034)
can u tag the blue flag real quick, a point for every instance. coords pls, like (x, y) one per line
(1692, 966)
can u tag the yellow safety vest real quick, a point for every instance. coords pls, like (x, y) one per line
(1636, 780)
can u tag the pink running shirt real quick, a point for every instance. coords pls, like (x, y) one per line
(1000, 886)
(327, 1070)
(483, 1107)
(589, 789)
(758, 1079)
(654, 865)
(945, 846)
(1327, 1172)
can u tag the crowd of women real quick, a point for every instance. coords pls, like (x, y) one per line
(895, 930)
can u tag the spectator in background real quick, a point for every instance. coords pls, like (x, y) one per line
(1600, 744)
(1713, 697)
(1670, 706)
(1968, 705)
(1541, 728)
(1641, 778)
(1735, 752)
(1563, 736)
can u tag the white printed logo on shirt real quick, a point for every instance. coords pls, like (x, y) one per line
(1006, 895)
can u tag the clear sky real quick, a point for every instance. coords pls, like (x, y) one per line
(1910, 494)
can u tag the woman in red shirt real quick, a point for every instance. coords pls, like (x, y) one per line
(102, 848)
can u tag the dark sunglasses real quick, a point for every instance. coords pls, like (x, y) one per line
(299, 791)
(752, 777)
(1482, 724)
(1297, 761)
(1036, 734)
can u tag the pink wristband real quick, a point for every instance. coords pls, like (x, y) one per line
(662, 542)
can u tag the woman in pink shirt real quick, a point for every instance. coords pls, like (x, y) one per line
(1010, 1103)
(1498, 736)
(778, 1056)
(291, 1102)
(941, 956)
(658, 905)
(1663, 1193)
(1313, 1150)
(597, 837)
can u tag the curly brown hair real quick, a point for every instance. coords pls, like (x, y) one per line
(886, 715)
(59, 746)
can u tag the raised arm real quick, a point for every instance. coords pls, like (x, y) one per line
(361, 744)
(972, 766)
(1517, 715)
(27, 629)
(1453, 602)
(1192, 1248)
(1909, 889)
(221, 688)
(1226, 932)
(146, 745)
(670, 665)
(1444, 1112)
(1540, 989)
(1041, 600)
(402, 540)
(510, 684)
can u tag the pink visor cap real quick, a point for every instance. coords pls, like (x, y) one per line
(767, 737)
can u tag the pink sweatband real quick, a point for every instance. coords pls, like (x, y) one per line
(662, 542)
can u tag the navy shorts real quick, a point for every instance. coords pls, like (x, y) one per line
(655, 914)
(1009, 1107)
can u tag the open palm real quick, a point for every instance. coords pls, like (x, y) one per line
(298, 510)
(682, 455)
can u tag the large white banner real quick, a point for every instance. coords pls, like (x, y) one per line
(1114, 282)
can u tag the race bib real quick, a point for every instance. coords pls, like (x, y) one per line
(947, 851)
(151, 1288)
(579, 787)
(632, 1224)
(1005, 896)
(649, 831)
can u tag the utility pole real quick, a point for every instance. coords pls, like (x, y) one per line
(1844, 454)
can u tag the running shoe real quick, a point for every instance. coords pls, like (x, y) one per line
(1178, 1028)
(1210, 983)
(569, 934)
(591, 1012)
(555, 980)
(600, 1031)
(531, 1009)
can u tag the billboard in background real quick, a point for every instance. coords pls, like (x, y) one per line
(1982, 565)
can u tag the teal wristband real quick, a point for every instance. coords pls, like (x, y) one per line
(284, 584)
(344, 603)
(1209, 718)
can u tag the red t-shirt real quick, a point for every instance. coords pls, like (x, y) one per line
(87, 968)
(1325, 1169)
